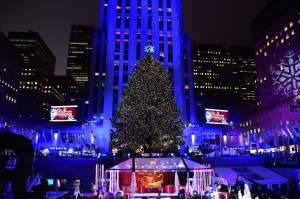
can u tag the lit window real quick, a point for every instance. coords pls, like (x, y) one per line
(293, 32)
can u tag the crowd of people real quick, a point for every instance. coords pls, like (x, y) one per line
(239, 190)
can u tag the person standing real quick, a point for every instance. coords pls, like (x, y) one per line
(243, 190)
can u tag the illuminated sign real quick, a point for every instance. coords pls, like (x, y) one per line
(63, 113)
(216, 116)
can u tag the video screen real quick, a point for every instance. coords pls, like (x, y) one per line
(216, 116)
(63, 113)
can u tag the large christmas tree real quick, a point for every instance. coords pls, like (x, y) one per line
(148, 119)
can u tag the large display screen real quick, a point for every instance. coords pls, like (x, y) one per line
(216, 116)
(63, 113)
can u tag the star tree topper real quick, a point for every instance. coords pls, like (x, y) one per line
(149, 49)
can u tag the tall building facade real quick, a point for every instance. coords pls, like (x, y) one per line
(79, 53)
(68, 87)
(72, 93)
(10, 68)
(125, 28)
(35, 87)
(224, 79)
(277, 37)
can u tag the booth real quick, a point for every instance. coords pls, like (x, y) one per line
(158, 177)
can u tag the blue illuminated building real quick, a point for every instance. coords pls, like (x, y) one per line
(125, 28)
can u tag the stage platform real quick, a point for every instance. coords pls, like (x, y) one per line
(155, 195)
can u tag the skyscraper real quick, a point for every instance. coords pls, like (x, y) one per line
(35, 87)
(10, 66)
(34, 51)
(224, 78)
(125, 28)
(277, 38)
(79, 54)
(68, 87)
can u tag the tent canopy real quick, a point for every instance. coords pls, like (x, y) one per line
(159, 164)
(256, 174)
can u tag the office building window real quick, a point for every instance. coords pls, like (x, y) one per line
(139, 37)
(118, 22)
(116, 67)
(139, 22)
(126, 37)
(117, 57)
(169, 25)
(168, 3)
(127, 11)
(125, 67)
(161, 24)
(161, 4)
(127, 19)
(138, 51)
(125, 54)
(170, 56)
(125, 79)
(170, 53)
(116, 80)
(119, 3)
(149, 22)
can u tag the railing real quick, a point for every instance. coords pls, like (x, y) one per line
(33, 180)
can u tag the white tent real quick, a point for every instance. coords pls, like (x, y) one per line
(249, 175)
(202, 174)
(159, 164)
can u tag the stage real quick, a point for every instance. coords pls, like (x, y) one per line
(151, 176)
(155, 195)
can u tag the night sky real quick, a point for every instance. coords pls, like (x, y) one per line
(226, 22)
